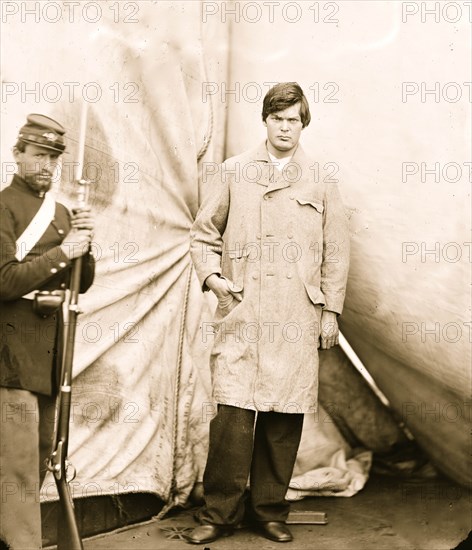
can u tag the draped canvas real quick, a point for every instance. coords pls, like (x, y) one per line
(141, 403)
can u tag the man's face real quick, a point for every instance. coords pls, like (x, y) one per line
(283, 130)
(37, 166)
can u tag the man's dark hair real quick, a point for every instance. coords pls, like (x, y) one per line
(284, 95)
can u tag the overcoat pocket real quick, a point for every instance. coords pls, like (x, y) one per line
(317, 205)
(234, 268)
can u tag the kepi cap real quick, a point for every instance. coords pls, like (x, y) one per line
(43, 131)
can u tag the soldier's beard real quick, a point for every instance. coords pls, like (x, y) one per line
(39, 182)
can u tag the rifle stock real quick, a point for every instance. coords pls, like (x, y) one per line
(68, 536)
(67, 533)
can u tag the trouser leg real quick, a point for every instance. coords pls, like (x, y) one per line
(20, 516)
(47, 407)
(228, 464)
(276, 441)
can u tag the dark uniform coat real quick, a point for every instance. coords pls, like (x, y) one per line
(282, 242)
(28, 342)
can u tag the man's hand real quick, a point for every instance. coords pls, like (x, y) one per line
(218, 285)
(82, 218)
(77, 241)
(329, 329)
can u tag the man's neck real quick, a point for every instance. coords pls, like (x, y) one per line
(279, 154)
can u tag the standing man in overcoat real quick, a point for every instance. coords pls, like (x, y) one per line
(39, 238)
(272, 243)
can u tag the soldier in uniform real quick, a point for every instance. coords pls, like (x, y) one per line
(272, 244)
(39, 240)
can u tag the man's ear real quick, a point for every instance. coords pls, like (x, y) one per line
(16, 153)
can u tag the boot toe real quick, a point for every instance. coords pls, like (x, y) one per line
(207, 533)
(276, 531)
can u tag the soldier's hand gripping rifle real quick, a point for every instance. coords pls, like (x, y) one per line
(68, 536)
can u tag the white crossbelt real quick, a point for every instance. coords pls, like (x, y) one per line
(36, 227)
(34, 231)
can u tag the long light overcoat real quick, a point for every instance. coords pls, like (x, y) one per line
(281, 240)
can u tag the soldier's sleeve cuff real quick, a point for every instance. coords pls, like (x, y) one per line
(57, 260)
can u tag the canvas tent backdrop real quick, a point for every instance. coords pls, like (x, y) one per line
(141, 397)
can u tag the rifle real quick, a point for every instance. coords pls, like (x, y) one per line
(68, 536)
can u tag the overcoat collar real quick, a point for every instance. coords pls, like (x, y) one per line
(298, 168)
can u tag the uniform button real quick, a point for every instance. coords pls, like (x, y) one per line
(292, 197)
(53, 270)
(255, 275)
(267, 197)
(62, 264)
(289, 275)
(63, 285)
(258, 236)
(290, 236)
(60, 231)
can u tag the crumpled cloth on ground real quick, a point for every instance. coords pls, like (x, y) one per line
(326, 465)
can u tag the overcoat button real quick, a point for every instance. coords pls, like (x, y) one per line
(289, 276)
(53, 270)
(255, 275)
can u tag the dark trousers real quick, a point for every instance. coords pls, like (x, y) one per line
(236, 450)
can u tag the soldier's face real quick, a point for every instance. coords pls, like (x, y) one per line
(37, 166)
(284, 129)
